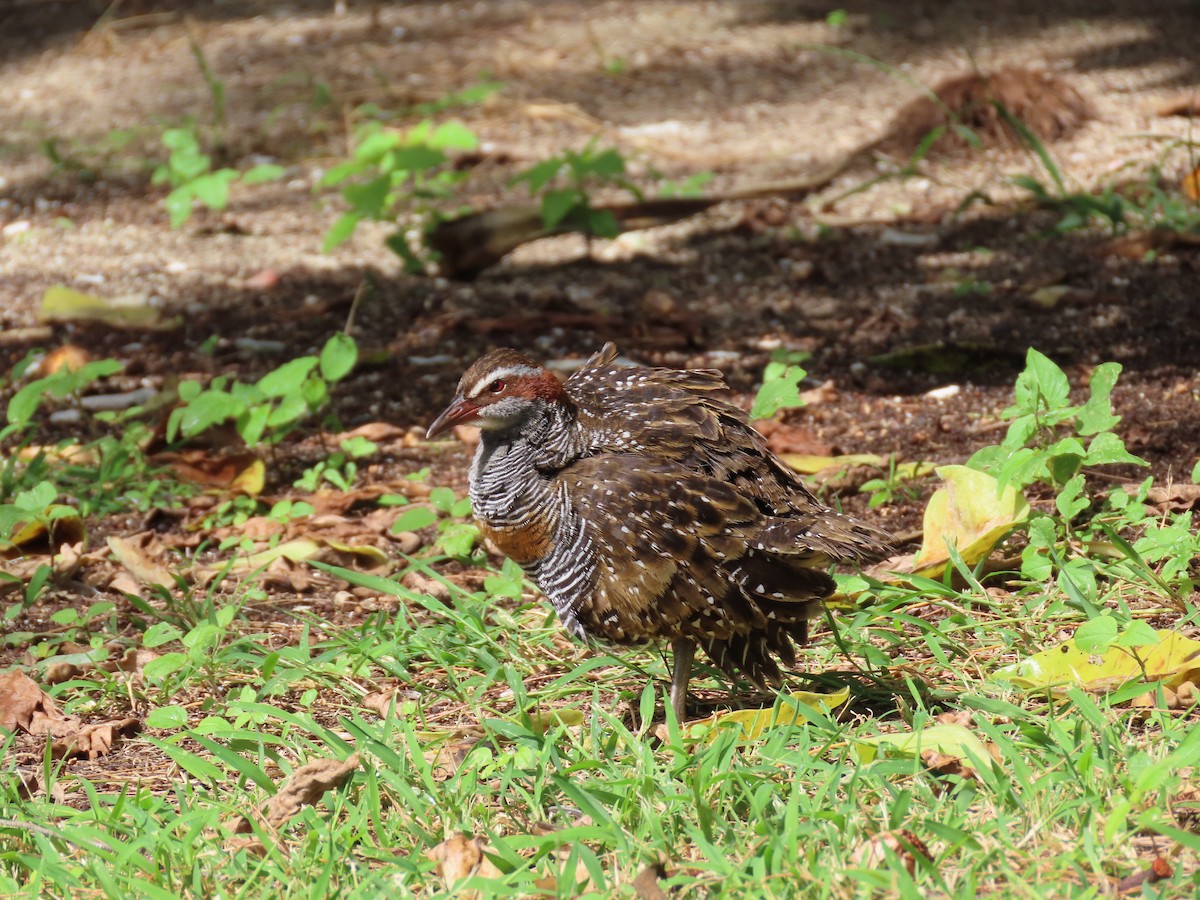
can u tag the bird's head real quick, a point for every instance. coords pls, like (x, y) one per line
(501, 390)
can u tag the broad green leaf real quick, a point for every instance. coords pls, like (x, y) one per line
(160, 633)
(606, 164)
(1042, 384)
(442, 498)
(63, 304)
(538, 176)
(369, 199)
(213, 189)
(782, 392)
(971, 513)
(453, 136)
(288, 377)
(252, 424)
(291, 408)
(180, 139)
(340, 231)
(1071, 500)
(188, 164)
(1097, 633)
(37, 498)
(172, 717)
(263, 172)
(341, 172)
(1173, 660)
(458, 538)
(375, 145)
(557, 204)
(1096, 415)
(414, 519)
(753, 722)
(178, 204)
(1108, 449)
(338, 357)
(209, 409)
(157, 670)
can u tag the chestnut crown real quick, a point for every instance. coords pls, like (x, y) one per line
(500, 390)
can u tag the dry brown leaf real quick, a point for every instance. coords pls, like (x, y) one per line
(262, 281)
(204, 468)
(583, 879)
(448, 756)
(58, 672)
(288, 575)
(376, 432)
(1172, 498)
(26, 707)
(944, 764)
(304, 787)
(1045, 102)
(783, 438)
(1132, 884)
(1191, 184)
(422, 584)
(93, 740)
(67, 358)
(872, 853)
(257, 528)
(957, 717)
(1180, 105)
(460, 857)
(138, 557)
(341, 502)
(23, 705)
(645, 883)
(132, 662)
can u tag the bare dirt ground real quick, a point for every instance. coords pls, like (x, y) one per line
(739, 89)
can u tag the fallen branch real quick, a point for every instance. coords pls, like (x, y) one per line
(470, 244)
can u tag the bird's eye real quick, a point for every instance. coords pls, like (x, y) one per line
(496, 386)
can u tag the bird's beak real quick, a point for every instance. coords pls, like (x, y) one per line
(460, 412)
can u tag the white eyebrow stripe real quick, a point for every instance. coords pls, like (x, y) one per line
(507, 372)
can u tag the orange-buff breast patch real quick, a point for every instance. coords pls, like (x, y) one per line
(523, 545)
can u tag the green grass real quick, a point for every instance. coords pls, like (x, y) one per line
(551, 754)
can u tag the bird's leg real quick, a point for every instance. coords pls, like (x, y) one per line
(682, 652)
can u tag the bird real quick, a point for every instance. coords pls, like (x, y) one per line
(644, 505)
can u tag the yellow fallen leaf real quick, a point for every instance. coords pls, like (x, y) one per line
(140, 564)
(63, 304)
(807, 464)
(372, 554)
(297, 551)
(59, 525)
(753, 722)
(541, 722)
(952, 740)
(971, 513)
(1173, 660)
(1047, 297)
(251, 479)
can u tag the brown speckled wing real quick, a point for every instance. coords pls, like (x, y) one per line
(676, 558)
(686, 417)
